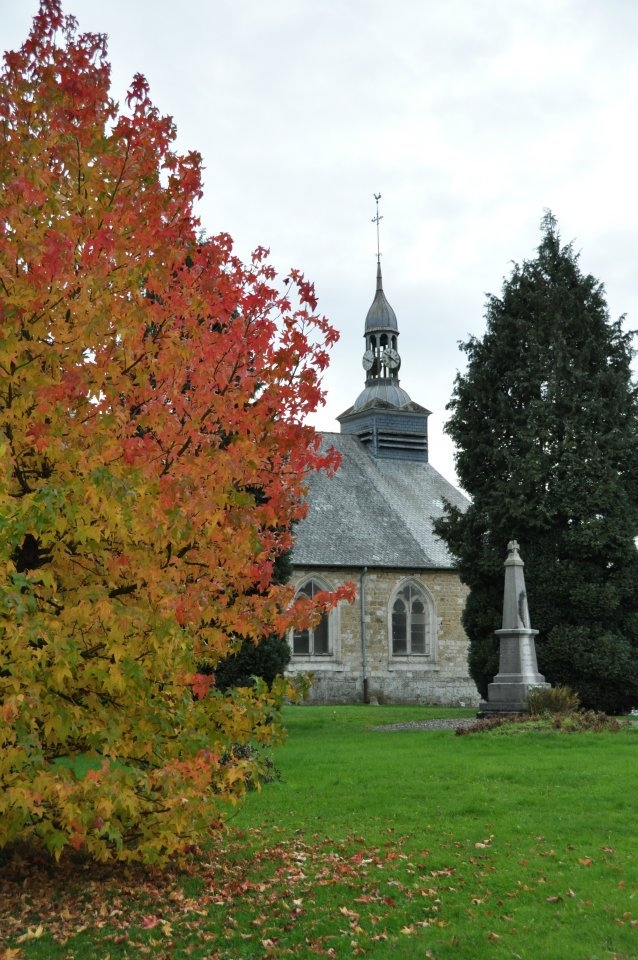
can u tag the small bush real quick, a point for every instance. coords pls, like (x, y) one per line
(486, 724)
(591, 721)
(575, 721)
(560, 699)
(267, 659)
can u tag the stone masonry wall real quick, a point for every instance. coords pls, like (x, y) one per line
(441, 678)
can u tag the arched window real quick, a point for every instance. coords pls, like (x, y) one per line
(411, 622)
(314, 642)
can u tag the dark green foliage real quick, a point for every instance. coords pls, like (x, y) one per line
(266, 658)
(545, 421)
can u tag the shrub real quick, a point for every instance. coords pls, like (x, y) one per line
(559, 699)
(575, 721)
(267, 659)
(591, 721)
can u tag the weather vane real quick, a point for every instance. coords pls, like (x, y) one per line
(377, 220)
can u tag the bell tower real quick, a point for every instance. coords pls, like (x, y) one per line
(381, 359)
(383, 416)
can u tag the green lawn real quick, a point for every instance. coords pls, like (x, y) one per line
(402, 844)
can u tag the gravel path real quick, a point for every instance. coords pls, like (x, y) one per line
(449, 724)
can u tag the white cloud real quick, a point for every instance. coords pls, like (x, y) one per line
(469, 116)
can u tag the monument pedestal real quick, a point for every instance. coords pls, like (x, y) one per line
(517, 675)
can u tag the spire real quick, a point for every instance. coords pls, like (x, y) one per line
(383, 416)
(377, 220)
(381, 360)
(381, 318)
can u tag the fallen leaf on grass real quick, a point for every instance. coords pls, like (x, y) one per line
(482, 844)
(348, 913)
(33, 933)
(627, 917)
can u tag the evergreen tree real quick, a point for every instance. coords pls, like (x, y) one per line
(545, 421)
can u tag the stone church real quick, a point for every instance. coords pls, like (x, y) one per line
(371, 524)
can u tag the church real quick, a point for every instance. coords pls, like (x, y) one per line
(371, 524)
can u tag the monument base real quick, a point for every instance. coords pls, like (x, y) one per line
(486, 709)
(509, 697)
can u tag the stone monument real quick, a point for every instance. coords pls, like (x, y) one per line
(518, 670)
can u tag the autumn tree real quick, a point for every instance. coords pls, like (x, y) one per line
(150, 383)
(545, 421)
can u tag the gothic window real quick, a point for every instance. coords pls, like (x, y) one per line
(314, 642)
(411, 622)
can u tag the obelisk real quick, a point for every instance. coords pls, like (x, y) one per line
(518, 669)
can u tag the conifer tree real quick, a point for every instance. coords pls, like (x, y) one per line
(545, 421)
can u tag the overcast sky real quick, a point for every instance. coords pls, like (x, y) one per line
(470, 117)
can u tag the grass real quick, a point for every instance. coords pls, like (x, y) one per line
(396, 843)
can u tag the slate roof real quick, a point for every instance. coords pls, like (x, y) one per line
(374, 512)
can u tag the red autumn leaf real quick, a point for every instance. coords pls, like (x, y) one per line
(201, 684)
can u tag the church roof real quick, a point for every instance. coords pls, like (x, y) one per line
(387, 392)
(374, 512)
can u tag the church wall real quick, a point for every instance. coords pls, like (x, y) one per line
(441, 678)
